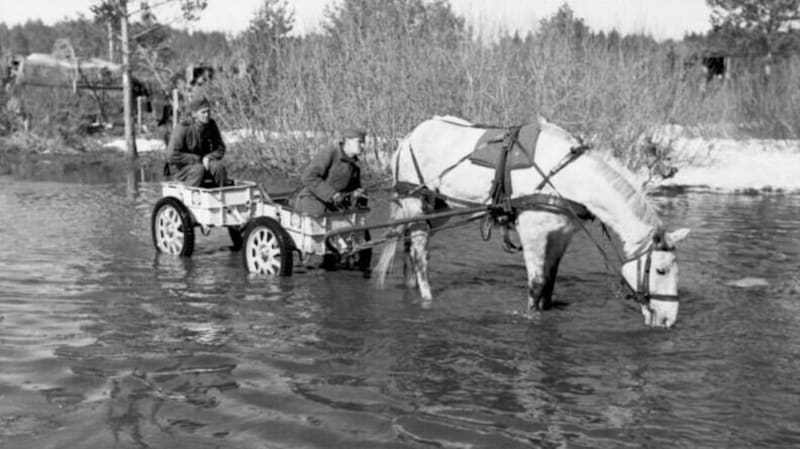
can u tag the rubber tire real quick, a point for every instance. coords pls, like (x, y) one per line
(235, 233)
(273, 232)
(186, 223)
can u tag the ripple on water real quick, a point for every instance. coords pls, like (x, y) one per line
(104, 343)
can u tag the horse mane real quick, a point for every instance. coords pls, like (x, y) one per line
(453, 120)
(624, 181)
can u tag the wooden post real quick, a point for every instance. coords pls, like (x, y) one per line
(130, 138)
(139, 113)
(175, 108)
(110, 41)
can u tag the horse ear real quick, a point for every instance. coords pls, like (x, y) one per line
(542, 121)
(676, 236)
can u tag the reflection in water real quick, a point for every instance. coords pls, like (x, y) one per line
(132, 178)
(104, 343)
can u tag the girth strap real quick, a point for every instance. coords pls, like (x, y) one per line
(551, 203)
(501, 187)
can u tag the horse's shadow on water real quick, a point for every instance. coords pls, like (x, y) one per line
(506, 282)
(556, 304)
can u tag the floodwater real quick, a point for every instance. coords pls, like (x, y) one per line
(106, 344)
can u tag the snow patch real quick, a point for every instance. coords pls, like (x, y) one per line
(142, 145)
(730, 164)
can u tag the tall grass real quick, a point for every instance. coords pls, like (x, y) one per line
(388, 70)
(610, 94)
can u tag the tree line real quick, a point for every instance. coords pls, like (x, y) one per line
(388, 65)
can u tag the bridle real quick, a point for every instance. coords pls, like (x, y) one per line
(641, 293)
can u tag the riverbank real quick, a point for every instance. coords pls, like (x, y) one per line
(726, 165)
(734, 165)
(105, 162)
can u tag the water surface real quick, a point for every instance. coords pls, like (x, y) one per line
(106, 344)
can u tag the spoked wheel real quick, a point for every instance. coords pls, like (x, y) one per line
(267, 248)
(172, 228)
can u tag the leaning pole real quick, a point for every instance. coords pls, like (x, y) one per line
(130, 140)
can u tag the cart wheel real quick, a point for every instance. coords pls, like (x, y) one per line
(235, 232)
(172, 228)
(267, 248)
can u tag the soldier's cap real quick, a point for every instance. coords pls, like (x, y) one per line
(199, 103)
(354, 133)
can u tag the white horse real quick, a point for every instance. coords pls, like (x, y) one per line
(435, 154)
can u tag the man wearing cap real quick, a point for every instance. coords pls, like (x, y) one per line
(333, 176)
(196, 148)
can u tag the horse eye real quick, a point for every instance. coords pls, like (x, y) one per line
(661, 271)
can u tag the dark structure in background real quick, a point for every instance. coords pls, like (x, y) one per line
(715, 66)
(102, 79)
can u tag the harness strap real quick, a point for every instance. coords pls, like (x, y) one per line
(416, 165)
(574, 153)
(424, 193)
(410, 189)
(551, 203)
(500, 190)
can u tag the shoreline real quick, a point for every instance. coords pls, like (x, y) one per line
(735, 165)
(725, 166)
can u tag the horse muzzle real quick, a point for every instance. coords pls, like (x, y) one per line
(661, 313)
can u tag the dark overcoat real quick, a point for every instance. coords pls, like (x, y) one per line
(329, 172)
(189, 143)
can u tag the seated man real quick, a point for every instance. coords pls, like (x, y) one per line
(196, 149)
(332, 176)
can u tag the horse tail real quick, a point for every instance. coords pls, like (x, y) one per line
(390, 247)
(396, 212)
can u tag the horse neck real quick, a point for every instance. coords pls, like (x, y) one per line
(620, 206)
(634, 232)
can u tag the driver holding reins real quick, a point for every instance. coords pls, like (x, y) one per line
(332, 180)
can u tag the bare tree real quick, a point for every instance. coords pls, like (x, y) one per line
(111, 11)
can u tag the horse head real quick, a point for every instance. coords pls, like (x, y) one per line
(653, 278)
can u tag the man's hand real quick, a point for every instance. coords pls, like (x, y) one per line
(205, 162)
(358, 193)
(337, 198)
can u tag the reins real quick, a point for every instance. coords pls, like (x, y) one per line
(503, 211)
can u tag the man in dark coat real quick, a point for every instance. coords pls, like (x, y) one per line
(196, 148)
(333, 176)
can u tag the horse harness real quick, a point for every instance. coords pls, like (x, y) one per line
(503, 210)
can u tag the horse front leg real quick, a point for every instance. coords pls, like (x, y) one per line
(544, 237)
(556, 245)
(533, 252)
